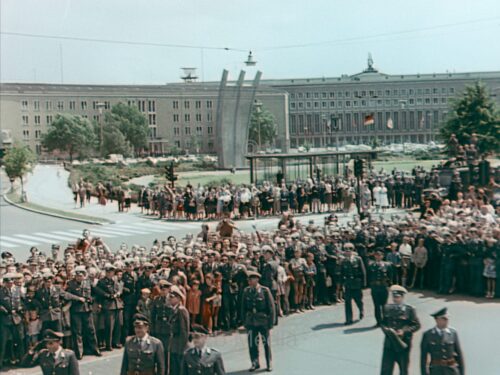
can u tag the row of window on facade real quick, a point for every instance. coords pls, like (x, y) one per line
(60, 105)
(187, 117)
(354, 122)
(198, 131)
(187, 104)
(26, 134)
(360, 139)
(372, 93)
(368, 103)
(188, 144)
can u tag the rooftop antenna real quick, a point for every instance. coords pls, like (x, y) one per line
(250, 61)
(189, 75)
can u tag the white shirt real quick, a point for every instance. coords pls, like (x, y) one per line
(405, 250)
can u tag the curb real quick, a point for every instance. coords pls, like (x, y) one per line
(86, 221)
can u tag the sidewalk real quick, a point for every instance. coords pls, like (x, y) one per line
(48, 186)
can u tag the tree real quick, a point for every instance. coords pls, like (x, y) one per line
(18, 161)
(263, 128)
(71, 134)
(114, 142)
(131, 123)
(474, 112)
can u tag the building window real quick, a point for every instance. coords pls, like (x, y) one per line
(38, 120)
(49, 119)
(363, 103)
(175, 104)
(186, 104)
(412, 101)
(199, 130)
(83, 105)
(25, 119)
(72, 105)
(323, 104)
(152, 119)
(292, 95)
(443, 90)
(60, 105)
(48, 106)
(198, 117)
(316, 95)
(151, 106)
(38, 133)
(387, 92)
(96, 118)
(141, 105)
(427, 100)
(443, 100)
(176, 118)
(293, 124)
(38, 149)
(435, 100)
(209, 117)
(323, 95)
(176, 131)
(152, 132)
(301, 95)
(197, 104)
(131, 103)
(452, 90)
(187, 130)
(24, 105)
(36, 105)
(434, 90)
(332, 95)
(411, 91)
(210, 130)
(427, 91)
(301, 105)
(308, 95)
(332, 104)
(187, 117)
(26, 135)
(292, 105)
(419, 91)
(209, 104)
(316, 104)
(419, 101)
(308, 104)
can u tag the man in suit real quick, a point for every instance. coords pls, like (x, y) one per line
(53, 359)
(201, 359)
(353, 277)
(82, 324)
(143, 354)
(258, 313)
(180, 329)
(441, 353)
(399, 323)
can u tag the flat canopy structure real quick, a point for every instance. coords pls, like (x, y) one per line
(301, 166)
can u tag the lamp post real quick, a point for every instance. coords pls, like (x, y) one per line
(100, 107)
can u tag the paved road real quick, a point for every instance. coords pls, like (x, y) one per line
(318, 343)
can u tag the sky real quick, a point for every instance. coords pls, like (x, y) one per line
(289, 38)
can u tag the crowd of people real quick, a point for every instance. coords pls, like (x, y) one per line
(90, 292)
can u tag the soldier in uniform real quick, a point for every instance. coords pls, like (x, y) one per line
(379, 276)
(201, 359)
(180, 330)
(440, 344)
(353, 276)
(228, 269)
(109, 291)
(258, 314)
(53, 359)
(269, 272)
(82, 324)
(161, 315)
(399, 323)
(11, 327)
(129, 279)
(143, 354)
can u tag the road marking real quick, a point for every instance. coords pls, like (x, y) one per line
(23, 242)
(166, 225)
(118, 232)
(93, 231)
(131, 228)
(28, 237)
(57, 237)
(6, 244)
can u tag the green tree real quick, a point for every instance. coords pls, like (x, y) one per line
(18, 161)
(71, 134)
(131, 123)
(474, 112)
(114, 142)
(263, 129)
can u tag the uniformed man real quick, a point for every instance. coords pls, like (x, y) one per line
(53, 359)
(440, 345)
(201, 359)
(399, 322)
(379, 276)
(269, 272)
(353, 277)
(110, 297)
(180, 329)
(258, 315)
(229, 269)
(11, 312)
(129, 297)
(143, 354)
(82, 324)
(161, 316)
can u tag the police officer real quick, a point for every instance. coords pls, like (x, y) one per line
(82, 324)
(110, 297)
(379, 276)
(143, 354)
(399, 322)
(258, 315)
(201, 359)
(11, 312)
(180, 329)
(161, 315)
(53, 359)
(440, 344)
(353, 276)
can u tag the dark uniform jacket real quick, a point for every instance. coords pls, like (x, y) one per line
(110, 294)
(403, 317)
(161, 317)
(145, 359)
(379, 274)
(129, 292)
(83, 289)
(269, 272)
(353, 273)
(444, 347)
(51, 301)
(257, 307)
(64, 364)
(180, 330)
(10, 308)
(209, 363)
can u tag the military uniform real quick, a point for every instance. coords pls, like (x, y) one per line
(143, 356)
(353, 275)
(129, 301)
(230, 293)
(398, 317)
(258, 313)
(379, 276)
(110, 292)
(82, 324)
(11, 327)
(445, 353)
(161, 324)
(207, 361)
(179, 337)
(51, 301)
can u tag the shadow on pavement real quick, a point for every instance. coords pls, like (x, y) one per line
(359, 330)
(327, 326)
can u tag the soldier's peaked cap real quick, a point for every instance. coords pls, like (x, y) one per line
(140, 320)
(398, 290)
(49, 335)
(441, 313)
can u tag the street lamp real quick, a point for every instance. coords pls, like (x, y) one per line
(100, 107)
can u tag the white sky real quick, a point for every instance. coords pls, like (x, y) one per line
(466, 45)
